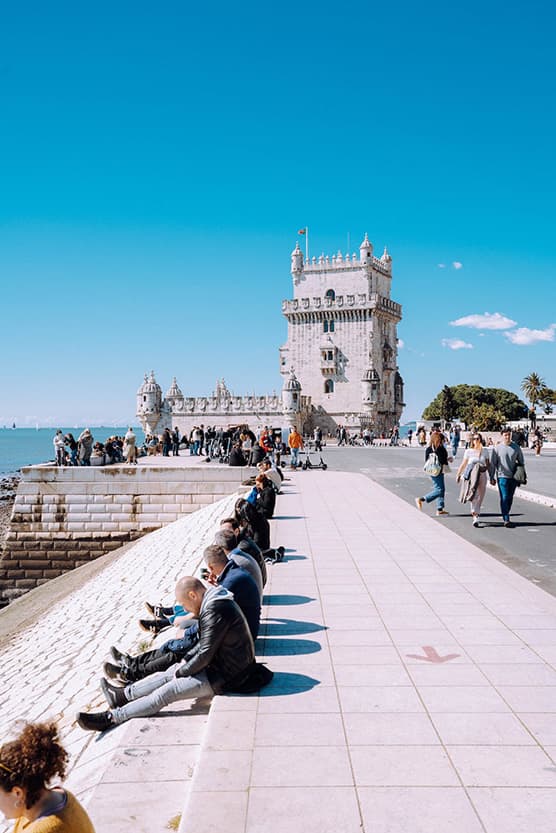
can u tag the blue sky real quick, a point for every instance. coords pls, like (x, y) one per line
(156, 164)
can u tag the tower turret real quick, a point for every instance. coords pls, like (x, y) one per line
(291, 395)
(386, 258)
(366, 251)
(370, 384)
(297, 262)
(149, 403)
(174, 396)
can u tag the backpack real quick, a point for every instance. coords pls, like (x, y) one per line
(432, 465)
(257, 676)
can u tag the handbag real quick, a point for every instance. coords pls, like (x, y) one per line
(432, 465)
(520, 475)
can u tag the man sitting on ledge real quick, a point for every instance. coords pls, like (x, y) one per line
(221, 661)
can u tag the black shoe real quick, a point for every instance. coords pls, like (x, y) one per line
(509, 524)
(114, 695)
(280, 552)
(118, 655)
(159, 611)
(115, 672)
(154, 625)
(95, 721)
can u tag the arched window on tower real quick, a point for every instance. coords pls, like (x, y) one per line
(331, 326)
(330, 294)
(329, 386)
(325, 326)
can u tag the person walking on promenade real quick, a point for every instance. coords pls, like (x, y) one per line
(71, 442)
(295, 443)
(85, 444)
(506, 456)
(438, 491)
(221, 661)
(176, 442)
(473, 469)
(59, 448)
(27, 765)
(537, 442)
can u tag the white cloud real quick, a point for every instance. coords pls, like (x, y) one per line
(457, 265)
(441, 265)
(456, 344)
(487, 321)
(401, 343)
(523, 335)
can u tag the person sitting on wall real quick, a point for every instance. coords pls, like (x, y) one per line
(222, 660)
(272, 473)
(236, 456)
(226, 538)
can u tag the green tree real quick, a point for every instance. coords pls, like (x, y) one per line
(447, 404)
(487, 418)
(466, 398)
(534, 387)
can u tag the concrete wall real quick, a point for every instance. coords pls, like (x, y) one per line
(65, 517)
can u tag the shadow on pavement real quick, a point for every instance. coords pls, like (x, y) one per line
(287, 627)
(283, 599)
(286, 647)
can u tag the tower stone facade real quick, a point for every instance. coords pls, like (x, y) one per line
(342, 338)
(339, 362)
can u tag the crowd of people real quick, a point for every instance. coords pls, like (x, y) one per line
(216, 616)
(503, 464)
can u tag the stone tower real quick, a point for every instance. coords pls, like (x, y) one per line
(342, 338)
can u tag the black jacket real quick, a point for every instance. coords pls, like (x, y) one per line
(225, 648)
(266, 501)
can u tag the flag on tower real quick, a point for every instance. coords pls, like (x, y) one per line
(302, 231)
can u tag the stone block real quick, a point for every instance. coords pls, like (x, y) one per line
(99, 506)
(33, 574)
(108, 526)
(14, 574)
(78, 518)
(36, 564)
(30, 554)
(96, 525)
(128, 526)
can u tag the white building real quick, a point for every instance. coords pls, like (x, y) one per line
(342, 338)
(339, 362)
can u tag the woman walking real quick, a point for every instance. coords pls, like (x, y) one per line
(473, 476)
(27, 765)
(436, 447)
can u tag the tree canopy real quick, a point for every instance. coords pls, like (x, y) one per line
(466, 402)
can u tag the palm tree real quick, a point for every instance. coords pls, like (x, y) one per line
(534, 388)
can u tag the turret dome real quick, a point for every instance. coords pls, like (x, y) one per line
(173, 390)
(150, 385)
(292, 383)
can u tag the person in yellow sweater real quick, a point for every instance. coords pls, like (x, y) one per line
(27, 764)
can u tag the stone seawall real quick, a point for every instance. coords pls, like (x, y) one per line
(66, 517)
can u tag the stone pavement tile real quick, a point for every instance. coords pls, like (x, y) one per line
(485, 728)
(226, 731)
(365, 655)
(379, 699)
(402, 766)
(547, 653)
(469, 636)
(365, 729)
(427, 636)
(234, 703)
(498, 654)
(542, 725)
(223, 769)
(162, 730)
(299, 766)
(515, 810)
(530, 698)
(324, 729)
(417, 623)
(372, 675)
(448, 674)
(364, 637)
(418, 810)
(300, 810)
(534, 674)
(464, 622)
(144, 808)
(320, 699)
(349, 623)
(150, 763)
(503, 766)
(462, 699)
(531, 621)
(537, 636)
(209, 811)
(315, 667)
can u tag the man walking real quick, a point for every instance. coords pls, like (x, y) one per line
(505, 458)
(221, 661)
(295, 443)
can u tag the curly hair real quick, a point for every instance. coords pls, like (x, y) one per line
(31, 760)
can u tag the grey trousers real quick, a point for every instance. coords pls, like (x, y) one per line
(150, 695)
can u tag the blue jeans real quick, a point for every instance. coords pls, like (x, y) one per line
(295, 456)
(150, 695)
(437, 491)
(506, 489)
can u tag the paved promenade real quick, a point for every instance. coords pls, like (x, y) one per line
(415, 687)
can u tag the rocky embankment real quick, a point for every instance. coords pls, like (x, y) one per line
(8, 488)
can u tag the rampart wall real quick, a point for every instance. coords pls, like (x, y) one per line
(66, 517)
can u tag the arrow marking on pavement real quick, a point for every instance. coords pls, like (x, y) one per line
(432, 655)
